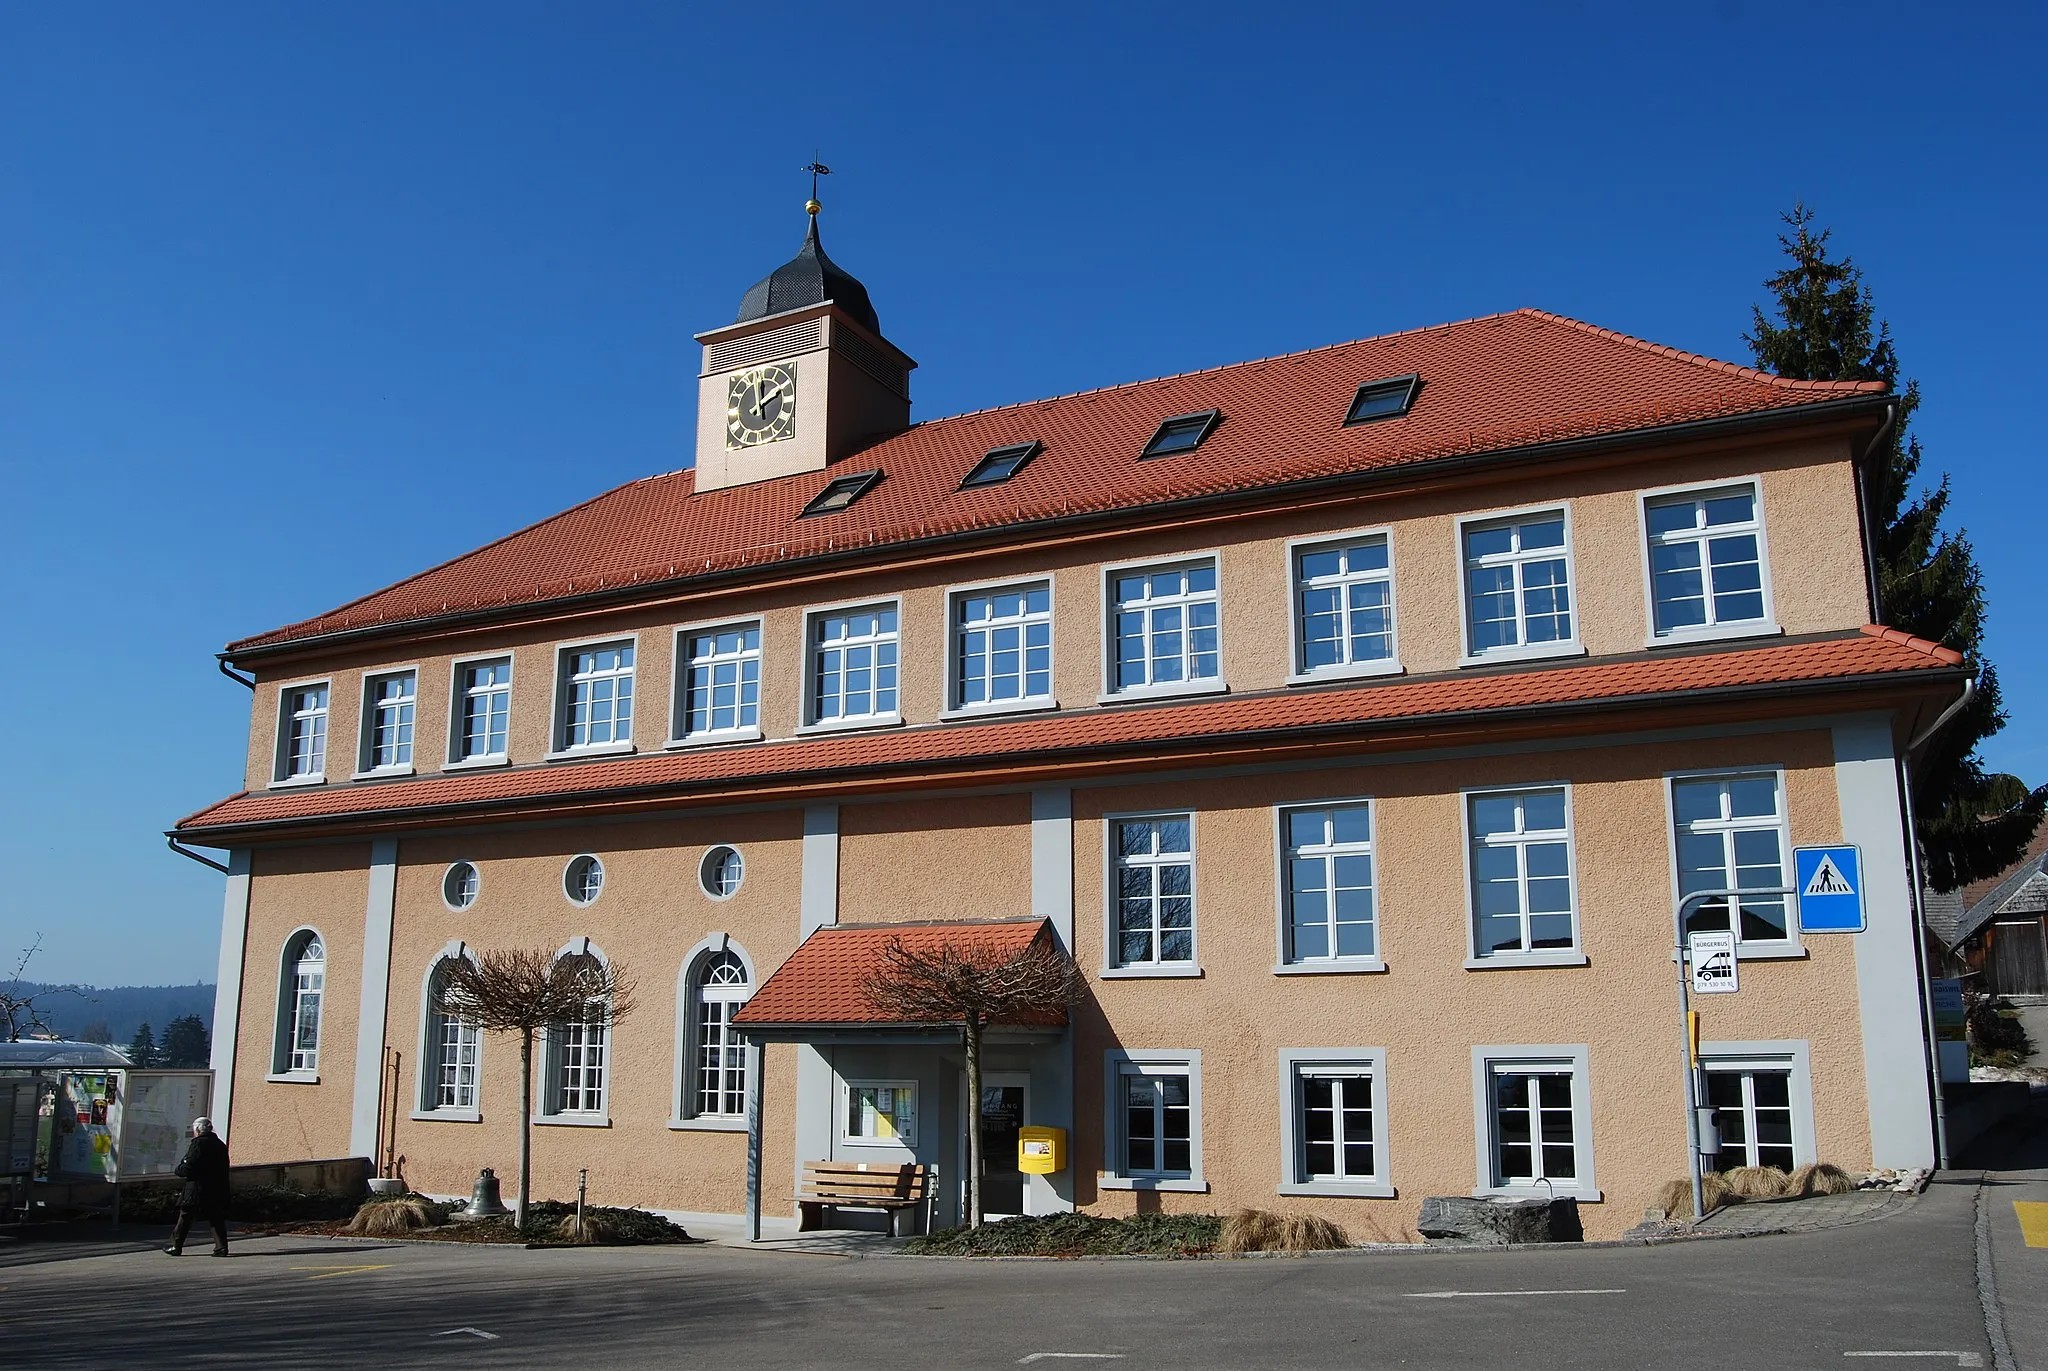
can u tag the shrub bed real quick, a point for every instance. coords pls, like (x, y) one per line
(1078, 1235)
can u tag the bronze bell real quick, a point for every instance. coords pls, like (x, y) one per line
(483, 1200)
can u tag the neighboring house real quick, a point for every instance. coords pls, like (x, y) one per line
(1356, 718)
(1994, 932)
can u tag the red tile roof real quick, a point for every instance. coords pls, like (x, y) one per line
(1492, 384)
(1049, 740)
(821, 982)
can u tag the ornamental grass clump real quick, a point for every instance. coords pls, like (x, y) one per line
(394, 1218)
(1756, 1182)
(1675, 1197)
(1820, 1178)
(1259, 1230)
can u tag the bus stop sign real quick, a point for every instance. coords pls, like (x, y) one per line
(1830, 882)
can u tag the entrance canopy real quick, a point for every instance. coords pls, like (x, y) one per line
(819, 990)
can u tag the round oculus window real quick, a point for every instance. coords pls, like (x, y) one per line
(459, 886)
(721, 872)
(583, 880)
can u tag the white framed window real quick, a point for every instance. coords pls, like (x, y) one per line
(721, 987)
(1343, 620)
(1152, 891)
(1728, 832)
(389, 702)
(1333, 1122)
(583, 880)
(596, 692)
(853, 665)
(302, 733)
(721, 871)
(1707, 565)
(1762, 1097)
(577, 1060)
(1329, 912)
(302, 986)
(1535, 1121)
(1518, 585)
(878, 1113)
(1152, 1115)
(1001, 647)
(451, 1048)
(720, 683)
(1524, 897)
(1165, 628)
(482, 716)
(460, 884)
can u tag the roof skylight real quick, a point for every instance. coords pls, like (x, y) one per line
(1001, 464)
(1388, 399)
(841, 492)
(1182, 433)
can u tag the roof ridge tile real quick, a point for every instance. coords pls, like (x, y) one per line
(1947, 656)
(1701, 359)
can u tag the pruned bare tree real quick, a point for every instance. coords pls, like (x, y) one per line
(527, 991)
(20, 1011)
(973, 982)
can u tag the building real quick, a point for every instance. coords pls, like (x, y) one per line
(1356, 717)
(1994, 932)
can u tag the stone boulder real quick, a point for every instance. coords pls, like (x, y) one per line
(1459, 1220)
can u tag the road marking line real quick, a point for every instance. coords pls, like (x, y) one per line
(1962, 1358)
(1475, 1294)
(1072, 1356)
(2033, 1221)
(327, 1271)
(474, 1332)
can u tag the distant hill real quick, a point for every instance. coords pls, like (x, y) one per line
(124, 1008)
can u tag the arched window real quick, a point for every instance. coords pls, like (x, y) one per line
(300, 987)
(719, 1062)
(449, 1048)
(579, 1052)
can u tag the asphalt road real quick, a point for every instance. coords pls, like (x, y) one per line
(1905, 1283)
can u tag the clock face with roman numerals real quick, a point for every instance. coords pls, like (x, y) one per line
(760, 407)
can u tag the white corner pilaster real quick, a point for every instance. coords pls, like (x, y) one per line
(1052, 861)
(378, 913)
(820, 896)
(1895, 1074)
(227, 988)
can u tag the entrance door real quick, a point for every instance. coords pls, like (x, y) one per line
(2019, 958)
(1002, 1115)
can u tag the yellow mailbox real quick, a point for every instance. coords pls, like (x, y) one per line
(1041, 1151)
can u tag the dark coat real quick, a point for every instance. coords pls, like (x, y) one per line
(205, 1170)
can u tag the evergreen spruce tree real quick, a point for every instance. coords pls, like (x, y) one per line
(1826, 329)
(185, 1042)
(142, 1047)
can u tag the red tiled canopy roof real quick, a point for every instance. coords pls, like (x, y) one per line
(1488, 385)
(821, 982)
(1268, 720)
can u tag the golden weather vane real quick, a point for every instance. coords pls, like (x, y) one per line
(816, 169)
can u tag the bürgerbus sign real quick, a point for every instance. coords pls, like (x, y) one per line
(1713, 962)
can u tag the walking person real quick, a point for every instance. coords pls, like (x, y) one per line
(205, 1172)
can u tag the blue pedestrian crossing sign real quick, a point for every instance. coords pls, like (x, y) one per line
(1830, 883)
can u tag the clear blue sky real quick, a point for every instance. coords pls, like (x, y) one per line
(296, 299)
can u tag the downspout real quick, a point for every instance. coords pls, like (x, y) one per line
(1920, 915)
(1891, 416)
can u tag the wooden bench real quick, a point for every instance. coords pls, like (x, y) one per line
(897, 1189)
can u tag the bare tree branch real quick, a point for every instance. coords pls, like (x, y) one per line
(19, 1011)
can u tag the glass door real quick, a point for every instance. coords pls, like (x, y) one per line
(1002, 1115)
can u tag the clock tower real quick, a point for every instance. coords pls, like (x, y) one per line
(802, 378)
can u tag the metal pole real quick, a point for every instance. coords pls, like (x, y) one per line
(1692, 1113)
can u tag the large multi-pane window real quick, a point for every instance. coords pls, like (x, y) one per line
(1706, 560)
(597, 703)
(1155, 890)
(1535, 1123)
(391, 701)
(452, 1046)
(305, 981)
(1730, 835)
(1344, 605)
(1166, 624)
(484, 709)
(1522, 898)
(578, 1050)
(722, 681)
(717, 990)
(1158, 1122)
(1753, 1106)
(1335, 1125)
(1002, 646)
(853, 664)
(304, 754)
(1517, 583)
(1329, 887)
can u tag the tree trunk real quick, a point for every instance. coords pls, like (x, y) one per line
(971, 1033)
(525, 1126)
